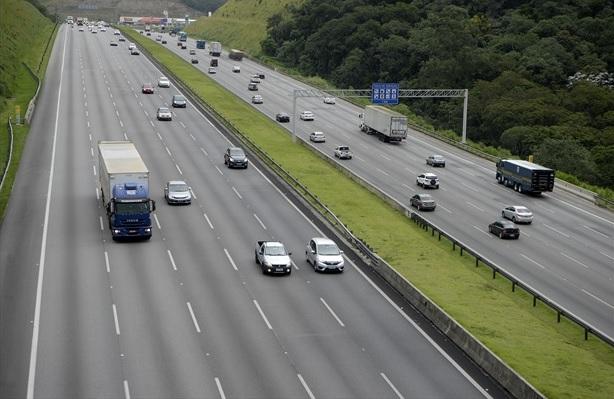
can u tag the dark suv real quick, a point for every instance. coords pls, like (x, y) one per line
(235, 157)
(179, 101)
(504, 228)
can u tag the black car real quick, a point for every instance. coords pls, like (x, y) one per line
(282, 117)
(504, 228)
(179, 101)
(194, 61)
(423, 202)
(235, 157)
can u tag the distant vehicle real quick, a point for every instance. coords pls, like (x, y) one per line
(436, 160)
(164, 41)
(131, 46)
(81, 29)
(184, 46)
(324, 255)
(121, 39)
(423, 202)
(282, 117)
(317, 137)
(525, 176)
(235, 157)
(215, 49)
(194, 60)
(307, 116)
(213, 62)
(94, 30)
(103, 29)
(148, 33)
(257, 99)
(252, 86)
(135, 51)
(147, 88)
(192, 52)
(235, 54)
(164, 114)
(343, 152)
(518, 214)
(212, 70)
(179, 101)
(177, 192)
(260, 75)
(124, 184)
(427, 180)
(116, 32)
(236, 69)
(329, 100)
(272, 257)
(164, 82)
(200, 44)
(183, 36)
(504, 228)
(159, 38)
(388, 125)
(179, 44)
(113, 43)
(254, 79)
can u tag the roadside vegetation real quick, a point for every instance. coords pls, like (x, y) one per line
(553, 356)
(24, 34)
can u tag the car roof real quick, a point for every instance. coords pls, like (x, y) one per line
(505, 222)
(317, 133)
(322, 240)
(176, 182)
(429, 175)
(162, 108)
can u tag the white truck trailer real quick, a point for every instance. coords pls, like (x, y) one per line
(387, 124)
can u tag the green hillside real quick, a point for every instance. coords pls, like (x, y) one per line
(239, 23)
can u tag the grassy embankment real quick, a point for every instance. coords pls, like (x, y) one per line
(554, 357)
(24, 33)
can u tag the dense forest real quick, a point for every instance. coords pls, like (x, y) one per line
(538, 71)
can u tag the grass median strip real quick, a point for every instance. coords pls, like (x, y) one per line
(553, 357)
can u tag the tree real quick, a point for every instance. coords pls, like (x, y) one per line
(569, 156)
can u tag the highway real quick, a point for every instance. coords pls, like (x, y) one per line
(188, 313)
(566, 254)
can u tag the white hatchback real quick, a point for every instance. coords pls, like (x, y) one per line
(164, 82)
(324, 255)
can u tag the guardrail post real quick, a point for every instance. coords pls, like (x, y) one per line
(477, 261)
(439, 239)
(433, 232)
(494, 273)
(513, 286)
(461, 251)
(586, 334)
(558, 316)
(534, 300)
(453, 246)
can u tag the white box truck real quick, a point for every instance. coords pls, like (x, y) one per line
(387, 124)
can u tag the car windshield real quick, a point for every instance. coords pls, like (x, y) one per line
(179, 98)
(275, 250)
(162, 109)
(178, 188)
(522, 209)
(344, 148)
(328, 249)
(236, 152)
(438, 157)
(426, 197)
(132, 208)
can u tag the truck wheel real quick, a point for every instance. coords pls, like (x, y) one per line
(501, 234)
(520, 188)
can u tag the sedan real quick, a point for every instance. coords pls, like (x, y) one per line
(164, 82)
(179, 101)
(423, 202)
(307, 116)
(436, 160)
(254, 79)
(113, 43)
(194, 61)
(324, 255)
(121, 39)
(235, 157)
(257, 99)
(317, 137)
(343, 152)
(504, 228)
(177, 192)
(329, 100)
(236, 69)
(282, 117)
(518, 214)
(131, 46)
(134, 51)
(212, 70)
(164, 41)
(164, 114)
(147, 88)
(192, 52)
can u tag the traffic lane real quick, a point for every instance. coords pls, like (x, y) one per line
(20, 233)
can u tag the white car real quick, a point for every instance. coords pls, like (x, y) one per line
(164, 82)
(212, 70)
(103, 29)
(324, 255)
(116, 32)
(164, 114)
(177, 192)
(307, 116)
(131, 46)
(135, 51)
(255, 79)
(427, 180)
(257, 99)
(517, 214)
(94, 30)
(329, 100)
(343, 152)
(317, 137)
(81, 29)
(236, 69)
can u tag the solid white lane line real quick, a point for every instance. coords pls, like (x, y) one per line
(597, 298)
(170, 256)
(179, 169)
(157, 222)
(583, 210)
(94, 167)
(396, 391)
(574, 260)
(555, 230)
(193, 317)
(408, 187)
(168, 151)
(262, 315)
(219, 388)
(480, 230)
(382, 172)
(116, 320)
(532, 261)
(606, 255)
(203, 151)
(126, 390)
(306, 387)
(97, 194)
(101, 223)
(260, 221)
(232, 262)
(332, 312)
(219, 170)
(444, 208)
(106, 261)
(208, 221)
(475, 206)
(598, 232)
(236, 192)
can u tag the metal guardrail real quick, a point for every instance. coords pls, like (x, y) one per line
(10, 151)
(32, 103)
(362, 246)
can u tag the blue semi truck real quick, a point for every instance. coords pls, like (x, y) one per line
(124, 184)
(525, 176)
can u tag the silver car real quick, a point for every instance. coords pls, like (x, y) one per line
(177, 192)
(517, 214)
(317, 137)
(164, 82)
(324, 255)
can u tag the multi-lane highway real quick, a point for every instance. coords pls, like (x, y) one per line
(567, 253)
(188, 313)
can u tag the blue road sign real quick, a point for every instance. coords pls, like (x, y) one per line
(385, 93)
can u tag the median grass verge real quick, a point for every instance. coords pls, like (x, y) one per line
(552, 356)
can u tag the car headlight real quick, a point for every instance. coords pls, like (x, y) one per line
(116, 231)
(231, 159)
(267, 263)
(147, 230)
